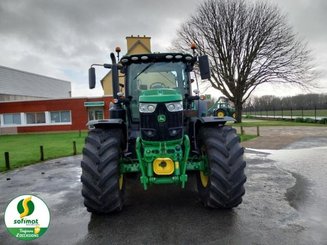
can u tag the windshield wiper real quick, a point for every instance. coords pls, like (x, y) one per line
(143, 70)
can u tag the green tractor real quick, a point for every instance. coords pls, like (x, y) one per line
(158, 131)
(222, 107)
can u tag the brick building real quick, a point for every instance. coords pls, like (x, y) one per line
(51, 115)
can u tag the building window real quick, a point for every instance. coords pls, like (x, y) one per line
(60, 116)
(35, 117)
(12, 118)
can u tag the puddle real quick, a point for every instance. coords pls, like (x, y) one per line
(298, 194)
(306, 162)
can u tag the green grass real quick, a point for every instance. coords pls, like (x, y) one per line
(246, 137)
(24, 149)
(295, 113)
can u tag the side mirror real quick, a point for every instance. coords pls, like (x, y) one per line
(92, 78)
(204, 67)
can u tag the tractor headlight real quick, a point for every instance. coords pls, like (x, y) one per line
(174, 106)
(147, 107)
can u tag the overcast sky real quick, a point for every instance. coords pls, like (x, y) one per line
(62, 38)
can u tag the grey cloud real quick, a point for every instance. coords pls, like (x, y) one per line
(307, 17)
(73, 34)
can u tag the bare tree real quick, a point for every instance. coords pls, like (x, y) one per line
(248, 44)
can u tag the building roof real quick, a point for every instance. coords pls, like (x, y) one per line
(16, 82)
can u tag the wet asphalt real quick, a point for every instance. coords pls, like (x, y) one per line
(285, 203)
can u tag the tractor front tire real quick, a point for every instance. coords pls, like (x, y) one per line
(102, 184)
(222, 184)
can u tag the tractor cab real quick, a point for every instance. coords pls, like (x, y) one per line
(151, 79)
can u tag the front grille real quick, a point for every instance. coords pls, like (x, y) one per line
(153, 130)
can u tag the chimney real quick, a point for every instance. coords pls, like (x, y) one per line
(138, 44)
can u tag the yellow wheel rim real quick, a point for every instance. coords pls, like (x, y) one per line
(204, 179)
(121, 181)
(220, 114)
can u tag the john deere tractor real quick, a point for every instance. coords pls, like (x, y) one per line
(158, 131)
(222, 107)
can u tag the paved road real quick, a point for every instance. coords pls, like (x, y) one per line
(284, 204)
(278, 137)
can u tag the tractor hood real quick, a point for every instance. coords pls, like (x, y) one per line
(160, 95)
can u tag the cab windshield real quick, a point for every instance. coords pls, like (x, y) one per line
(155, 75)
(146, 76)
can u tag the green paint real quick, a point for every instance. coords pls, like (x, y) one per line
(21, 209)
(148, 151)
(195, 165)
(161, 118)
(164, 180)
(144, 179)
(94, 104)
(26, 234)
(128, 167)
(186, 155)
(160, 95)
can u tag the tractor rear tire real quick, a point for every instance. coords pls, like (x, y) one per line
(222, 185)
(102, 185)
(220, 113)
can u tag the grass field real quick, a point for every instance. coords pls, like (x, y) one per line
(24, 149)
(294, 113)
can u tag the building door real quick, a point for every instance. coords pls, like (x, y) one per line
(95, 114)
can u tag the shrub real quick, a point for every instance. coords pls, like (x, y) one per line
(249, 116)
(309, 120)
(299, 119)
(323, 120)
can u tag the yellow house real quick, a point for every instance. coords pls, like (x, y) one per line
(135, 45)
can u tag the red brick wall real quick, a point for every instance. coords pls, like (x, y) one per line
(79, 114)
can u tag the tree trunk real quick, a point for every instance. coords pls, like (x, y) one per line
(239, 109)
